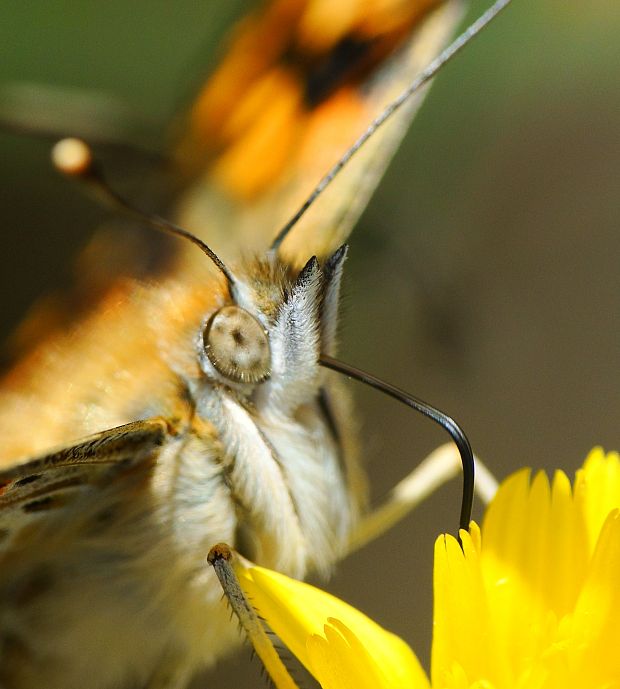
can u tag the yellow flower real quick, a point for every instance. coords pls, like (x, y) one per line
(531, 601)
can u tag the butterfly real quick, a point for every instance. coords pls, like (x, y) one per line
(191, 409)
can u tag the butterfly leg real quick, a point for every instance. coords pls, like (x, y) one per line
(440, 466)
(220, 557)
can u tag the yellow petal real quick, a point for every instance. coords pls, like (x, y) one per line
(334, 663)
(595, 629)
(464, 647)
(597, 490)
(341, 661)
(296, 611)
(534, 560)
(515, 536)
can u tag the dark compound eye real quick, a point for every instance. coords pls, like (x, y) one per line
(237, 345)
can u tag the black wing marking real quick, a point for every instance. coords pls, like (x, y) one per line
(44, 484)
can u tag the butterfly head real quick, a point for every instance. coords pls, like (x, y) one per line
(275, 324)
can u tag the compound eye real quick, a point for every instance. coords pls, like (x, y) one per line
(237, 345)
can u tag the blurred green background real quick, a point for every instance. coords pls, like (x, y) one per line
(484, 276)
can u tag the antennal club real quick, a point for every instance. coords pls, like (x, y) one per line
(74, 158)
(445, 56)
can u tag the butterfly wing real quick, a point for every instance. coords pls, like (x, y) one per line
(32, 489)
(273, 119)
(74, 524)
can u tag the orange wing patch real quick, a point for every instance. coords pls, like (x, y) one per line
(300, 81)
(289, 88)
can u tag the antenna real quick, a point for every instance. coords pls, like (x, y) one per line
(74, 158)
(445, 56)
(442, 419)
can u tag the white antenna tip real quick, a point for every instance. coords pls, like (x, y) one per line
(72, 157)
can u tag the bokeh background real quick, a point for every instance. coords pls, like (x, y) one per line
(484, 276)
